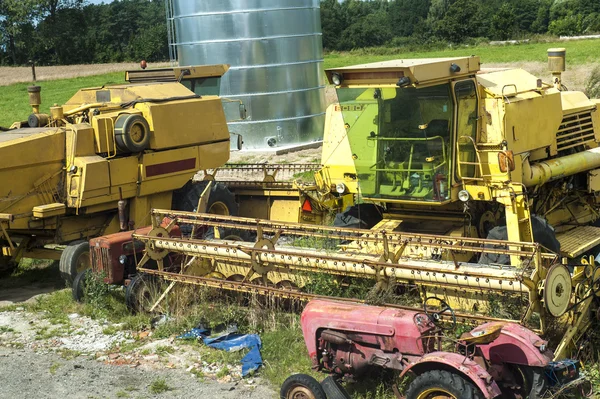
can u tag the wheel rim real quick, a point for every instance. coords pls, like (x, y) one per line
(300, 393)
(436, 393)
(137, 133)
(218, 208)
(83, 262)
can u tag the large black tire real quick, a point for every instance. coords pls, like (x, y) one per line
(74, 259)
(132, 133)
(79, 282)
(543, 233)
(333, 389)
(301, 386)
(443, 383)
(361, 216)
(220, 202)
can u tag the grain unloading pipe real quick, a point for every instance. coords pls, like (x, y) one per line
(473, 277)
(553, 169)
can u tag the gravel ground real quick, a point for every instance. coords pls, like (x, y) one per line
(27, 374)
(85, 358)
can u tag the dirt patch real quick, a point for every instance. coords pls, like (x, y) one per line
(12, 75)
(83, 357)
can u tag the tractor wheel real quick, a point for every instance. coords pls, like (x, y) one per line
(142, 292)
(543, 234)
(301, 386)
(132, 133)
(79, 282)
(74, 259)
(441, 384)
(333, 389)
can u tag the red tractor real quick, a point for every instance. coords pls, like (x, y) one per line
(493, 360)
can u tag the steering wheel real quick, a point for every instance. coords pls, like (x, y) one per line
(436, 317)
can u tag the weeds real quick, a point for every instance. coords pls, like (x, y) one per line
(592, 84)
(159, 386)
(54, 368)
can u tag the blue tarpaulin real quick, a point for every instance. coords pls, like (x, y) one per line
(230, 341)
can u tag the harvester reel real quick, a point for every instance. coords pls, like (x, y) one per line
(258, 265)
(557, 289)
(153, 252)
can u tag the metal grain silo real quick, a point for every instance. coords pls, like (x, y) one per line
(275, 51)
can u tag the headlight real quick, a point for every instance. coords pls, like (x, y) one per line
(340, 188)
(336, 78)
(463, 195)
(123, 259)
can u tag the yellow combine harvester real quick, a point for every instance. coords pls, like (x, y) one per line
(99, 163)
(481, 187)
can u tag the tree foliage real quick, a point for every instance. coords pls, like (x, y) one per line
(75, 31)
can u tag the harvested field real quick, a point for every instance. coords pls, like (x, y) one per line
(12, 75)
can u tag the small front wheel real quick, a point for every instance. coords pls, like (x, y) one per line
(441, 384)
(301, 386)
(79, 282)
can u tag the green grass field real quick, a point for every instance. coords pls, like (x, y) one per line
(14, 105)
(578, 52)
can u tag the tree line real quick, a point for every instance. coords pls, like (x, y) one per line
(55, 32)
(356, 24)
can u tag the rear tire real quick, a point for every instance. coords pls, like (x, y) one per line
(442, 384)
(74, 259)
(303, 386)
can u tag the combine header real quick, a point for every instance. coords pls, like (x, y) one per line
(480, 188)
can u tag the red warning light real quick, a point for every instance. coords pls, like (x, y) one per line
(307, 206)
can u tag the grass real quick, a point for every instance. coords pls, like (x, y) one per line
(159, 386)
(578, 52)
(14, 101)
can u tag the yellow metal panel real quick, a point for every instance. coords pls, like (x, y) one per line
(531, 121)
(336, 156)
(211, 156)
(575, 101)
(284, 210)
(95, 179)
(80, 141)
(49, 210)
(124, 175)
(577, 241)
(186, 122)
(167, 170)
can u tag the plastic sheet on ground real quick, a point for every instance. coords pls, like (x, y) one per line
(231, 341)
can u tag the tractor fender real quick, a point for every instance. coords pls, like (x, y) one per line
(516, 345)
(457, 363)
